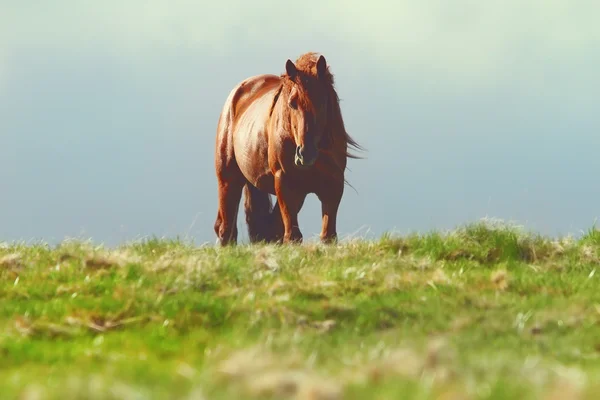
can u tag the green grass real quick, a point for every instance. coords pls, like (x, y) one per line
(483, 312)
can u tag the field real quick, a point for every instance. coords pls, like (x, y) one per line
(487, 311)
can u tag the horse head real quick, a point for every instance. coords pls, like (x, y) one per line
(307, 85)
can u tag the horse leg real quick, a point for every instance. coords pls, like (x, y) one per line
(257, 206)
(230, 193)
(276, 229)
(289, 203)
(218, 223)
(262, 217)
(330, 196)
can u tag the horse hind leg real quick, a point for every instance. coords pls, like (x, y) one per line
(230, 193)
(258, 208)
(276, 229)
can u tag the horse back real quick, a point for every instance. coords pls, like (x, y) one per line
(242, 137)
(250, 91)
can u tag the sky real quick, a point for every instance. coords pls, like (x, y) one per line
(467, 109)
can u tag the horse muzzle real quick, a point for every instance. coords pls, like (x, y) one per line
(306, 156)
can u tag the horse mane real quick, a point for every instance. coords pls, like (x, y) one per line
(275, 98)
(307, 68)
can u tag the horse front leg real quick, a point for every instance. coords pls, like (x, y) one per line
(330, 196)
(290, 202)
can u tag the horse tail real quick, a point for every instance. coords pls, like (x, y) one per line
(258, 208)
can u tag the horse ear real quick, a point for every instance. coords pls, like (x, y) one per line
(321, 67)
(291, 69)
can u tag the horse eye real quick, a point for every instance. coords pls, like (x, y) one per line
(294, 102)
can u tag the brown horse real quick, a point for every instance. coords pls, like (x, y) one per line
(281, 135)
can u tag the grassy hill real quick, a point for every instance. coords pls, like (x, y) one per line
(483, 312)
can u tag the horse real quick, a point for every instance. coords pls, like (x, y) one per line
(284, 136)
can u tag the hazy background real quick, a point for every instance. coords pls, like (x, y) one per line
(468, 109)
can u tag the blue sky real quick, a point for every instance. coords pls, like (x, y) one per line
(467, 109)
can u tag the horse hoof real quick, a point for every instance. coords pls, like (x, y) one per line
(329, 239)
(293, 240)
